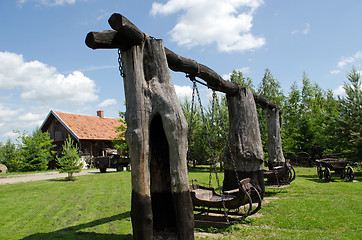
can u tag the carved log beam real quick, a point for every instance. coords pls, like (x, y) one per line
(126, 34)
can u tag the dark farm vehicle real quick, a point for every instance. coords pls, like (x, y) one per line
(336, 165)
(112, 161)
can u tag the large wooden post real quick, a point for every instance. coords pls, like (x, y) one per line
(157, 138)
(275, 151)
(246, 159)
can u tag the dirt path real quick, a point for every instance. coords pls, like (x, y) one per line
(11, 179)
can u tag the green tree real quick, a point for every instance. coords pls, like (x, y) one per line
(120, 141)
(238, 78)
(70, 162)
(270, 89)
(36, 150)
(10, 157)
(197, 139)
(351, 116)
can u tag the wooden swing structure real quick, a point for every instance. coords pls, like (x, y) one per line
(156, 135)
(212, 208)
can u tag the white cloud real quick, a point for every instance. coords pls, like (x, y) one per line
(42, 83)
(305, 31)
(336, 71)
(107, 102)
(339, 91)
(183, 92)
(50, 3)
(8, 114)
(346, 61)
(227, 23)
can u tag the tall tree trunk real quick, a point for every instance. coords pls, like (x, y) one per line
(275, 151)
(246, 159)
(157, 138)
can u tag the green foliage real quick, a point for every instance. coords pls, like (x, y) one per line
(350, 117)
(35, 150)
(238, 78)
(315, 117)
(70, 161)
(208, 134)
(10, 157)
(311, 116)
(120, 141)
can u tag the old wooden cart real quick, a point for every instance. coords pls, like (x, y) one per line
(339, 167)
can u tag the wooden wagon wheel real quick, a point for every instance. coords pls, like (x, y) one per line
(292, 172)
(350, 174)
(320, 172)
(327, 174)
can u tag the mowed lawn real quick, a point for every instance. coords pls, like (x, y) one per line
(98, 207)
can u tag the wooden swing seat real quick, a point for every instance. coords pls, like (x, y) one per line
(208, 198)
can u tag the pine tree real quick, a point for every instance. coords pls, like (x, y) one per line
(351, 116)
(70, 161)
(35, 150)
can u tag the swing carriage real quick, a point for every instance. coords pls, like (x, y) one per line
(210, 207)
(280, 175)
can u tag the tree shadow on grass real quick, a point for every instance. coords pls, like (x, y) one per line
(75, 232)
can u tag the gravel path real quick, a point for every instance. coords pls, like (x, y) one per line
(10, 179)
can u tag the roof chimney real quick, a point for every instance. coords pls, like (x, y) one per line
(100, 113)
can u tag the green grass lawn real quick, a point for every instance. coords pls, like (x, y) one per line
(98, 207)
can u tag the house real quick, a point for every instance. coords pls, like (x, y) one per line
(92, 134)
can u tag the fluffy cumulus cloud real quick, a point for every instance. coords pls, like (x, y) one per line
(41, 83)
(227, 23)
(49, 2)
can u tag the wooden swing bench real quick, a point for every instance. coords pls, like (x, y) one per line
(280, 175)
(237, 202)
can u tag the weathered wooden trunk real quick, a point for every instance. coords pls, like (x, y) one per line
(275, 151)
(157, 139)
(247, 158)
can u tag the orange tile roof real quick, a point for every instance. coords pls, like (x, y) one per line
(90, 127)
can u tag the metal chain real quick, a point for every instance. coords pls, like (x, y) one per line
(120, 67)
(189, 137)
(208, 140)
(207, 135)
(215, 100)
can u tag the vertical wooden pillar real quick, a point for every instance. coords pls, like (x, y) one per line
(247, 157)
(157, 139)
(275, 151)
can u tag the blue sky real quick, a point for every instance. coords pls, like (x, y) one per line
(45, 64)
